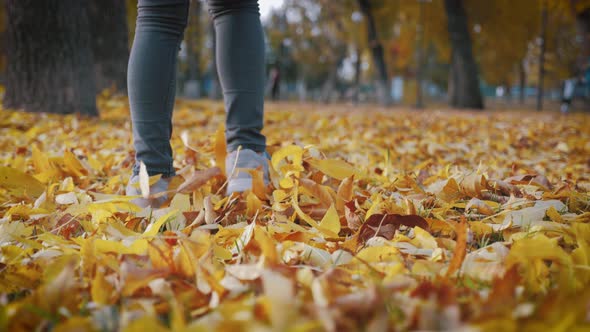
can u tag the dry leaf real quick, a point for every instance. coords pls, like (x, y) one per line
(385, 225)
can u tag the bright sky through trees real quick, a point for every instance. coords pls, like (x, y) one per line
(267, 5)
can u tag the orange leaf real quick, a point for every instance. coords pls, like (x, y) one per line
(460, 248)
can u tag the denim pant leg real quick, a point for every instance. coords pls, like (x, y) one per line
(240, 64)
(151, 80)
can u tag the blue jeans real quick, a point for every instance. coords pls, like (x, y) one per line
(151, 76)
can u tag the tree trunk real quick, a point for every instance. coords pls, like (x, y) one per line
(508, 93)
(542, 56)
(583, 28)
(419, 57)
(357, 75)
(215, 91)
(377, 52)
(2, 43)
(465, 92)
(522, 79)
(110, 44)
(49, 56)
(193, 49)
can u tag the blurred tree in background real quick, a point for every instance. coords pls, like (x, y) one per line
(110, 44)
(49, 57)
(3, 24)
(409, 52)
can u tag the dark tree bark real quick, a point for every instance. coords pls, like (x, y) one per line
(110, 44)
(191, 75)
(49, 57)
(357, 75)
(420, 57)
(543, 37)
(2, 42)
(193, 41)
(522, 82)
(329, 85)
(215, 92)
(464, 89)
(583, 28)
(377, 52)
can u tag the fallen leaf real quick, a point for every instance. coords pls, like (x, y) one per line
(198, 179)
(460, 248)
(385, 225)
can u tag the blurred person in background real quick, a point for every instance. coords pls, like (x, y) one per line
(567, 94)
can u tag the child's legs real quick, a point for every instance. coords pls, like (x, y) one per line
(151, 80)
(240, 64)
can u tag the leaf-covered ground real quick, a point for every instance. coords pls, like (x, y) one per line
(376, 220)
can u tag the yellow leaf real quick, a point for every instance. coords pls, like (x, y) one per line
(101, 289)
(336, 168)
(423, 239)
(46, 170)
(450, 192)
(145, 323)
(19, 183)
(480, 229)
(161, 255)
(330, 222)
(375, 207)
(380, 254)
(137, 247)
(266, 244)
(531, 253)
(554, 215)
(258, 187)
(73, 165)
(181, 202)
(292, 151)
(75, 324)
(153, 229)
(322, 193)
(300, 213)
(87, 255)
(40, 161)
(221, 253)
(253, 204)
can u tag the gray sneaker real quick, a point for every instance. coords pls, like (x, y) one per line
(239, 180)
(161, 185)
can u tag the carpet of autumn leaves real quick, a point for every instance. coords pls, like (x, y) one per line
(376, 220)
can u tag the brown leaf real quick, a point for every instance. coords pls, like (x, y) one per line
(385, 225)
(473, 184)
(353, 221)
(503, 295)
(533, 179)
(197, 179)
(506, 188)
(344, 193)
(318, 191)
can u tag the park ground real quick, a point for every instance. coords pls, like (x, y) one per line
(376, 219)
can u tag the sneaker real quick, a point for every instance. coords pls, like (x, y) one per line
(161, 185)
(238, 179)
